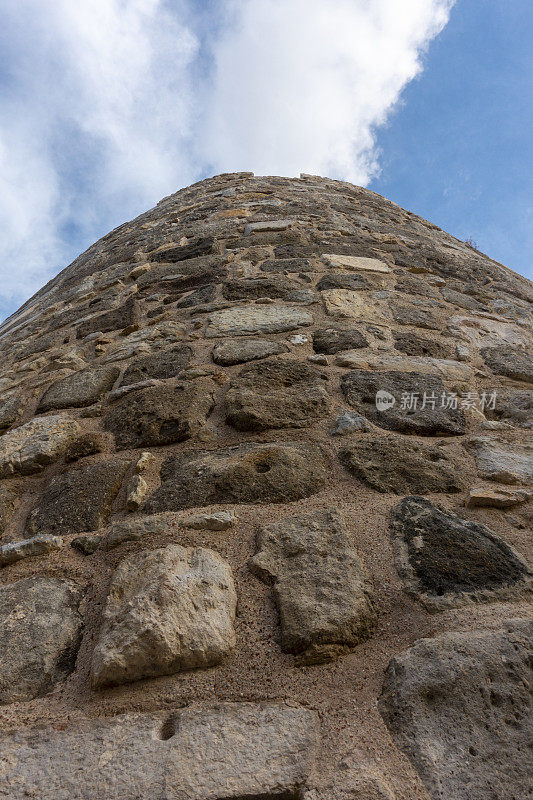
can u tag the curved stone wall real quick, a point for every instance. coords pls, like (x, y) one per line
(265, 472)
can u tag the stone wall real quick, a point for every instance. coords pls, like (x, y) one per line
(265, 483)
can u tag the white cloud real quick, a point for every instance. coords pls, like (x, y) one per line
(107, 105)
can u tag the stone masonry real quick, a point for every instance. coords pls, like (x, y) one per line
(265, 508)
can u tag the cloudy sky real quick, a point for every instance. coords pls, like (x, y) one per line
(108, 105)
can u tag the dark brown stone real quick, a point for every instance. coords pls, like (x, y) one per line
(78, 500)
(249, 473)
(511, 361)
(160, 415)
(277, 393)
(335, 340)
(161, 365)
(124, 316)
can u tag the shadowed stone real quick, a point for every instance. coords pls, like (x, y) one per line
(394, 464)
(78, 500)
(125, 316)
(445, 560)
(167, 611)
(40, 632)
(80, 389)
(278, 393)
(334, 340)
(360, 389)
(160, 415)
(163, 364)
(231, 751)
(319, 585)
(249, 473)
(459, 707)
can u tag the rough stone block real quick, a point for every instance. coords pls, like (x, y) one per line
(36, 444)
(319, 585)
(167, 611)
(80, 389)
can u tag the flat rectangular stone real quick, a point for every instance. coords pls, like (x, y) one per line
(233, 750)
(268, 225)
(252, 319)
(355, 262)
(348, 304)
(447, 369)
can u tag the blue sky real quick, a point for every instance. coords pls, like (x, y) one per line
(108, 105)
(459, 151)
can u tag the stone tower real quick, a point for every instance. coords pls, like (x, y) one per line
(264, 471)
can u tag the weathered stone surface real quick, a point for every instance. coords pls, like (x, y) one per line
(278, 393)
(248, 473)
(145, 341)
(360, 389)
(8, 503)
(205, 294)
(496, 498)
(334, 340)
(203, 246)
(256, 319)
(453, 372)
(459, 707)
(232, 751)
(514, 406)
(86, 544)
(415, 315)
(445, 560)
(319, 585)
(413, 345)
(347, 304)
(356, 263)
(511, 361)
(36, 444)
(80, 389)
(163, 364)
(286, 265)
(217, 521)
(253, 288)
(167, 611)
(78, 500)
(125, 316)
(348, 422)
(396, 464)
(342, 280)
(353, 781)
(239, 351)
(160, 415)
(136, 492)
(502, 462)
(25, 548)
(268, 225)
(10, 410)
(40, 632)
(133, 530)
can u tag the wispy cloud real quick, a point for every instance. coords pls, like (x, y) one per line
(107, 105)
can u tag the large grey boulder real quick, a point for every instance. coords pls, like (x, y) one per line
(426, 419)
(79, 389)
(396, 464)
(319, 585)
(233, 751)
(40, 632)
(502, 461)
(167, 611)
(459, 706)
(36, 444)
